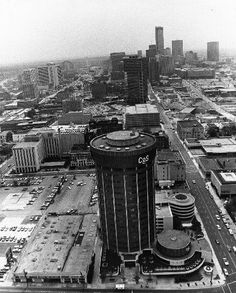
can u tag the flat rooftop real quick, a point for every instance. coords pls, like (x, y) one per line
(169, 155)
(25, 144)
(229, 176)
(224, 149)
(63, 245)
(168, 197)
(141, 109)
(217, 141)
(189, 123)
(209, 164)
(173, 239)
(163, 211)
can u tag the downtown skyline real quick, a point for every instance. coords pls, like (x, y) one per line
(43, 30)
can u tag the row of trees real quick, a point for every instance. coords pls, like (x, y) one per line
(227, 130)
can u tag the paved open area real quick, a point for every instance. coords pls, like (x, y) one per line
(57, 211)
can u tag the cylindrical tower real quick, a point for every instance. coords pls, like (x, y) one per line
(125, 174)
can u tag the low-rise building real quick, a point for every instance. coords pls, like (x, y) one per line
(182, 205)
(75, 118)
(193, 73)
(190, 129)
(141, 115)
(28, 156)
(81, 157)
(224, 182)
(170, 167)
(164, 218)
(215, 147)
(207, 165)
(162, 140)
(62, 251)
(46, 143)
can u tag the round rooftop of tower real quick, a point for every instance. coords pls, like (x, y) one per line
(122, 138)
(123, 149)
(123, 141)
(173, 243)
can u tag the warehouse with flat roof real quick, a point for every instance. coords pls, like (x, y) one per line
(61, 250)
(142, 115)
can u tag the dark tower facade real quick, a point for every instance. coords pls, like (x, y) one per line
(125, 174)
(177, 49)
(159, 39)
(117, 66)
(136, 69)
(213, 51)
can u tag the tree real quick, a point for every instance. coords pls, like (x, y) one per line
(31, 113)
(15, 183)
(226, 131)
(213, 131)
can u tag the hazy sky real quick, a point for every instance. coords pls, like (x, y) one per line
(50, 29)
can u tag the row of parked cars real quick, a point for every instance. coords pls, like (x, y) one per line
(50, 199)
(3, 271)
(225, 221)
(94, 197)
(12, 239)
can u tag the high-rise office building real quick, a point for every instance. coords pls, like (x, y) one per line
(50, 75)
(28, 83)
(213, 51)
(43, 76)
(159, 39)
(117, 65)
(136, 74)
(177, 49)
(165, 65)
(140, 53)
(153, 70)
(191, 57)
(125, 174)
(167, 51)
(151, 53)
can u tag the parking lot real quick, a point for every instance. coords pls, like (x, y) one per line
(24, 201)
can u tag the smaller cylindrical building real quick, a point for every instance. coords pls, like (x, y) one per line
(173, 243)
(182, 205)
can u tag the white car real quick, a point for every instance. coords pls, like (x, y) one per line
(225, 261)
(218, 227)
(218, 217)
(225, 271)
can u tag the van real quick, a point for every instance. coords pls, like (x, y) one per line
(234, 249)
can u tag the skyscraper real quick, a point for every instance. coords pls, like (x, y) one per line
(159, 39)
(177, 49)
(165, 65)
(117, 65)
(136, 70)
(213, 51)
(125, 174)
(152, 64)
(140, 53)
(28, 83)
(49, 75)
(167, 51)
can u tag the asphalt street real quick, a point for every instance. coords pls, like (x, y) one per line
(207, 209)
